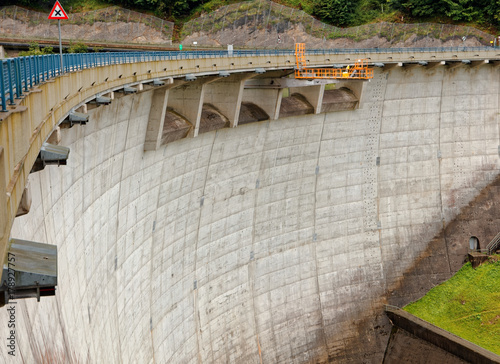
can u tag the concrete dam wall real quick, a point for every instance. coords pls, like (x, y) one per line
(273, 242)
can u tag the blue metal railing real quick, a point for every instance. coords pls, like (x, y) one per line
(18, 75)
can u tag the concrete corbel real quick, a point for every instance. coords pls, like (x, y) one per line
(356, 87)
(454, 64)
(156, 119)
(157, 114)
(187, 100)
(390, 66)
(475, 64)
(410, 66)
(226, 95)
(431, 65)
(25, 204)
(268, 100)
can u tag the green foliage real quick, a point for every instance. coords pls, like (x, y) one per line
(369, 10)
(34, 50)
(467, 305)
(419, 8)
(461, 10)
(37, 4)
(78, 47)
(169, 8)
(479, 11)
(213, 5)
(336, 12)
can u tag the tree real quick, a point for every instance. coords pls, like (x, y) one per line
(462, 10)
(420, 8)
(175, 8)
(34, 50)
(78, 47)
(337, 12)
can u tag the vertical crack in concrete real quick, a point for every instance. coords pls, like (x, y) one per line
(196, 307)
(251, 265)
(315, 243)
(118, 221)
(443, 222)
(151, 264)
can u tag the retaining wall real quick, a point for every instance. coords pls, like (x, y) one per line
(460, 348)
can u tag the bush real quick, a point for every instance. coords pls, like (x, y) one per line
(34, 50)
(78, 47)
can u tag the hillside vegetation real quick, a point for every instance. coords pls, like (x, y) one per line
(467, 305)
(484, 14)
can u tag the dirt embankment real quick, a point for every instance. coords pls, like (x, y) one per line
(114, 32)
(253, 37)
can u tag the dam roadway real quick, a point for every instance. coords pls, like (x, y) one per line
(248, 240)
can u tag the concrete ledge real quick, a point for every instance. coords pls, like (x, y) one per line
(441, 338)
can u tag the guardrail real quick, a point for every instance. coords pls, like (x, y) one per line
(18, 75)
(494, 244)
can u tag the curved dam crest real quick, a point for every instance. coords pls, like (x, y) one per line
(276, 241)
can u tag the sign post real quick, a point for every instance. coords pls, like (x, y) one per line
(58, 13)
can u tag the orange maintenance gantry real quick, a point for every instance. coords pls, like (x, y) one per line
(358, 71)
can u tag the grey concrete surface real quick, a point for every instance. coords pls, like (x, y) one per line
(406, 348)
(273, 242)
(423, 340)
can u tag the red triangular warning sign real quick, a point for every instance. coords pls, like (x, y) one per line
(58, 12)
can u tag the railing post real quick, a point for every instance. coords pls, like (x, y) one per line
(37, 69)
(50, 74)
(33, 72)
(2, 87)
(40, 67)
(11, 86)
(38, 61)
(25, 59)
(17, 75)
(50, 60)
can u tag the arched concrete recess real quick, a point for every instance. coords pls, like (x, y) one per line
(274, 242)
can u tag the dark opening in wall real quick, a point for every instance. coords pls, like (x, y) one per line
(250, 113)
(294, 105)
(339, 100)
(175, 127)
(474, 243)
(212, 119)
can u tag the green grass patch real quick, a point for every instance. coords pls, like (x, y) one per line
(467, 305)
(78, 6)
